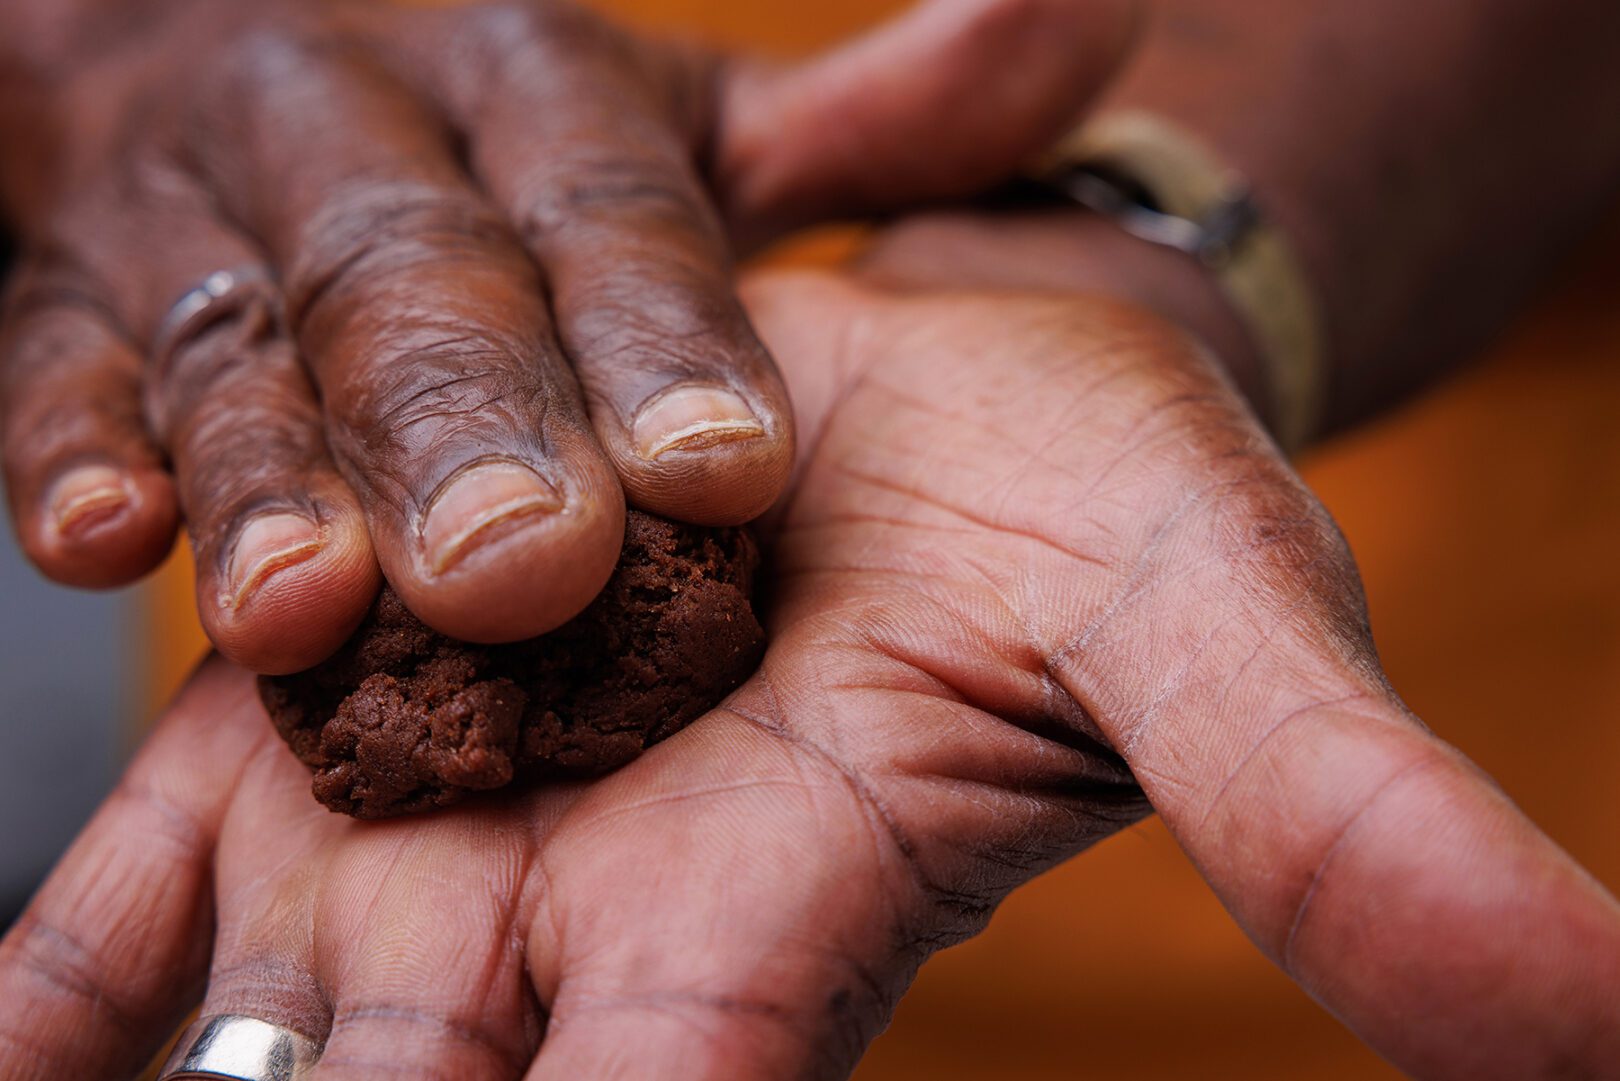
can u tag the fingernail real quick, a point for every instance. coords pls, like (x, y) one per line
(88, 495)
(693, 418)
(265, 546)
(475, 504)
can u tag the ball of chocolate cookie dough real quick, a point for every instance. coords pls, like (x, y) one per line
(403, 719)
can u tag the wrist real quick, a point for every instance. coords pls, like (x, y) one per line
(1070, 250)
(1172, 285)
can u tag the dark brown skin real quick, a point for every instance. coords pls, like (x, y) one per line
(989, 594)
(1430, 163)
(311, 128)
(990, 598)
(502, 238)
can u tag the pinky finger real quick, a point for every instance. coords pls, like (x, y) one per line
(91, 499)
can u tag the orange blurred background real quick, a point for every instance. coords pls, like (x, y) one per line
(1486, 520)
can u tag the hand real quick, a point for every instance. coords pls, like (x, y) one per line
(1030, 542)
(402, 191)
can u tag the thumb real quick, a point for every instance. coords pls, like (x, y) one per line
(942, 102)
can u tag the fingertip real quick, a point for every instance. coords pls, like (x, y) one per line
(506, 551)
(705, 454)
(99, 525)
(285, 589)
(479, 505)
(692, 417)
(721, 484)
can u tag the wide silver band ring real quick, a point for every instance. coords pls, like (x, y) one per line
(219, 295)
(240, 1048)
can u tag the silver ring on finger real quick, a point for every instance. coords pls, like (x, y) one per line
(240, 1048)
(222, 294)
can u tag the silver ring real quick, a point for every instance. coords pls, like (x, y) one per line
(222, 293)
(240, 1048)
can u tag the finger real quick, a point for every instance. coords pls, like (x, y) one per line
(1390, 877)
(90, 497)
(1370, 860)
(449, 408)
(421, 961)
(579, 140)
(781, 936)
(383, 944)
(285, 570)
(272, 860)
(111, 952)
(1374, 863)
(949, 99)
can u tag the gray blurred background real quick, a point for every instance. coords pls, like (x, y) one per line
(65, 714)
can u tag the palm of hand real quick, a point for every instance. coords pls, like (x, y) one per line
(987, 578)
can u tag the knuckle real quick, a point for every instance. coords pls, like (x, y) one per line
(66, 388)
(472, 1041)
(260, 441)
(54, 429)
(56, 321)
(501, 26)
(685, 336)
(371, 231)
(254, 70)
(646, 192)
(425, 391)
(504, 33)
(162, 820)
(67, 967)
(241, 345)
(126, 945)
(262, 984)
(223, 482)
(277, 429)
(1312, 866)
(237, 386)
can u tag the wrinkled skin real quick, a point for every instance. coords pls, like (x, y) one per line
(485, 289)
(1024, 532)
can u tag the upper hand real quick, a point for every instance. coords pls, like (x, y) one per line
(495, 299)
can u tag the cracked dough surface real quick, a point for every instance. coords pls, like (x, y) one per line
(404, 719)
